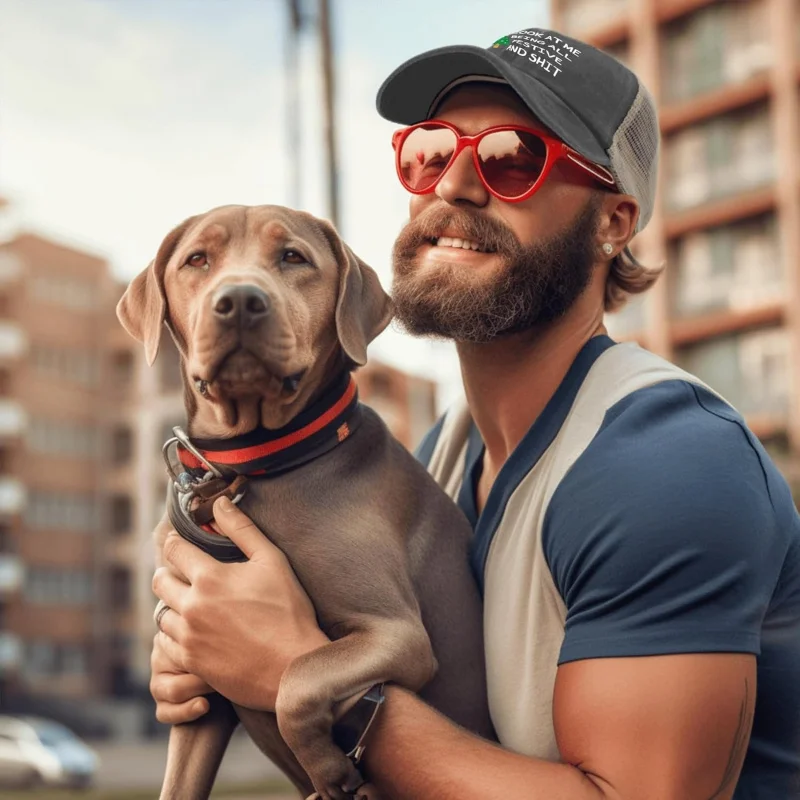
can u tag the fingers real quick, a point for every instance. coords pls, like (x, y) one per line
(173, 626)
(178, 695)
(241, 530)
(185, 559)
(171, 649)
(170, 589)
(177, 689)
(181, 713)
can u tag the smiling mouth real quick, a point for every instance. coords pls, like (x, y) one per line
(459, 244)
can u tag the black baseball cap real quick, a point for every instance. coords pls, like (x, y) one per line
(591, 101)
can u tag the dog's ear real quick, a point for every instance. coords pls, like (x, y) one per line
(363, 309)
(142, 309)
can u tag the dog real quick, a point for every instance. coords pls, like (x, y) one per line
(271, 312)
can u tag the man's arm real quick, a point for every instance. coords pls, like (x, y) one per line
(661, 728)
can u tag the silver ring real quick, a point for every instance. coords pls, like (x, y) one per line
(160, 615)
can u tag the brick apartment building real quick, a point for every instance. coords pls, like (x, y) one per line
(726, 77)
(65, 504)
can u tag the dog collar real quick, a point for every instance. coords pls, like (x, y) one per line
(319, 428)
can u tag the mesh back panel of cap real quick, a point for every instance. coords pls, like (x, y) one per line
(634, 154)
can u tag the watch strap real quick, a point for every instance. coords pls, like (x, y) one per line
(350, 732)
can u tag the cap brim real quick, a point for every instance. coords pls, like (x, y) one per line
(407, 96)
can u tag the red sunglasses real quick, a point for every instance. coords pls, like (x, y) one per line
(512, 162)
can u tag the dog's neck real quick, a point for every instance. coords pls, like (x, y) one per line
(216, 417)
(322, 426)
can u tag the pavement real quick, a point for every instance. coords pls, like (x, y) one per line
(140, 765)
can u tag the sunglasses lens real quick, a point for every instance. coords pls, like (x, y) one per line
(424, 156)
(511, 161)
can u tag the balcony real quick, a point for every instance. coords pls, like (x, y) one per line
(13, 419)
(10, 652)
(12, 496)
(11, 268)
(13, 342)
(12, 573)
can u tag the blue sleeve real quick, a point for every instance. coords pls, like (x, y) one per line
(662, 538)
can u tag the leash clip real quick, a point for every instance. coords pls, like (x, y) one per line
(185, 484)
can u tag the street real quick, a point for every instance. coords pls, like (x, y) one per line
(141, 765)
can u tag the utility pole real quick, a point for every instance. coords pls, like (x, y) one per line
(293, 104)
(328, 89)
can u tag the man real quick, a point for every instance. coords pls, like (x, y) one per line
(638, 551)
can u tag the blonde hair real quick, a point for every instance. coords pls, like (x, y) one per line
(628, 276)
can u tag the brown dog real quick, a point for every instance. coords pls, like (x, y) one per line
(271, 311)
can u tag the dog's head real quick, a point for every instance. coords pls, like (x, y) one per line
(262, 302)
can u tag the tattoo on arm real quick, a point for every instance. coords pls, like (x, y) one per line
(741, 739)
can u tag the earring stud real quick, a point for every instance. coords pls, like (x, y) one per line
(608, 248)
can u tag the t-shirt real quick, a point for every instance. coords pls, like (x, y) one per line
(638, 516)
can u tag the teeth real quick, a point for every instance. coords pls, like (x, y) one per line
(462, 244)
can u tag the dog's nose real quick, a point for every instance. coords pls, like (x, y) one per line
(245, 304)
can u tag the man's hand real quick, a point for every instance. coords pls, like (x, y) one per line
(235, 626)
(178, 695)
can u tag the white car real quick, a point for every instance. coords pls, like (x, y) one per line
(38, 752)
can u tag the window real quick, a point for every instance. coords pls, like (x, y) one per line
(730, 267)
(121, 514)
(40, 657)
(74, 366)
(61, 511)
(44, 658)
(120, 588)
(72, 293)
(123, 364)
(58, 587)
(750, 370)
(721, 44)
(63, 438)
(121, 445)
(729, 154)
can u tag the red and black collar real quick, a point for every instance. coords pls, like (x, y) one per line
(316, 430)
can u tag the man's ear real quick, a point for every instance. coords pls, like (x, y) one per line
(363, 309)
(143, 308)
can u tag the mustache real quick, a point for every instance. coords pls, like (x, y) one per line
(489, 233)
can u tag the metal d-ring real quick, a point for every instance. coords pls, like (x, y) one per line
(181, 436)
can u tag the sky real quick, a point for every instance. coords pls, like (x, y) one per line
(120, 118)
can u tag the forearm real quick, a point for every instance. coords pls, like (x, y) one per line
(415, 752)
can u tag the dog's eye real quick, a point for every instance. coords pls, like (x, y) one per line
(293, 257)
(198, 260)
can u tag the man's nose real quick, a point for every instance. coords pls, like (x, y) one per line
(244, 305)
(462, 183)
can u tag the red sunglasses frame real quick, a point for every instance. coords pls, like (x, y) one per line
(555, 150)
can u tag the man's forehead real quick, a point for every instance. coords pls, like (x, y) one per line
(475, 106)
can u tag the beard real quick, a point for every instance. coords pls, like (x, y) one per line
(537, 284)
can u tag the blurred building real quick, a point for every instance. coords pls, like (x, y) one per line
(66, 541)
(726, 77)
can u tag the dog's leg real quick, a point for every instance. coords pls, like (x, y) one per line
(195, 752)
(263, 729)
(314, 684)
